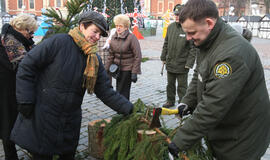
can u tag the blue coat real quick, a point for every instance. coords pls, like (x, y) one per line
(51, 77)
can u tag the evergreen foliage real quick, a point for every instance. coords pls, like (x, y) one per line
(60, 24)
(138, 5)
(113, 9)
(64, 24)
(99, 4)
(128, 6)
(122, 141)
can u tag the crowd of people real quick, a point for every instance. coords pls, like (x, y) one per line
(42, 87)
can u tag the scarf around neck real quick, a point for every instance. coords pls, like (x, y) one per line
(92, 64)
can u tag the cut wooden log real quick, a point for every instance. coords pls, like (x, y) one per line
(146, 132)
(95, 138)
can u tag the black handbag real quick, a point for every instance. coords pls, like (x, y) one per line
(114, 71)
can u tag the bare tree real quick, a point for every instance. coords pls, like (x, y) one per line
(224, 4)
(239, 6)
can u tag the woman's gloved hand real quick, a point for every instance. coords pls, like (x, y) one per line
(173, 149)
(134, 77)
(26, 109)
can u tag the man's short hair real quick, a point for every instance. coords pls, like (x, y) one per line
(197, 10)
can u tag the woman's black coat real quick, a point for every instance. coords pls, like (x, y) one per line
(50, 76)
(8, 105)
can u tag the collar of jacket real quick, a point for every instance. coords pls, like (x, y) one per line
(8, 29)
(213, 35)
(121, 36)
(178, 24)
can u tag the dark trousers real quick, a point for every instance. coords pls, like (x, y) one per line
(171, 86)
(61, 157)
(123, 83)
(10, 150)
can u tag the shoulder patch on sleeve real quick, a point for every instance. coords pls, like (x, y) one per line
(222, 70)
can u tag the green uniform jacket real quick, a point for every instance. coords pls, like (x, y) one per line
(175, 49)
(230, 98)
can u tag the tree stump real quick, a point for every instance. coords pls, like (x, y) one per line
(95, 138)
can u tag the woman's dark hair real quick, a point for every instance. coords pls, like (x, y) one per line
(197, 10)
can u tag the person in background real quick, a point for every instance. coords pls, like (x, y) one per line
(175, 55)
(125, 51)
(17, 37)
(8, 106)
(246, 33)
(102, 52)
(227, 94)
(51, 83)
(17, 41)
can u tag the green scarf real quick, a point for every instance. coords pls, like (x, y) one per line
(89, 49)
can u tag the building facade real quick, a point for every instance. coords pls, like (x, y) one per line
(158, 8)
(154, 8)
(35, 7)
(247, 7)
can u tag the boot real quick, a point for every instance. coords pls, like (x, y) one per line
(168, 105)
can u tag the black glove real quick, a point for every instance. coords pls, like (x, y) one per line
(173, 149)
(26, 109)
(183, 110)
(134, 77)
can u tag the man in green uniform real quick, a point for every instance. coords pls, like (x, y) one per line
(174, 54)
(227, 93)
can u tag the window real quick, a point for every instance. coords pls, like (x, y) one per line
(20, 3)
(31, 4)
(64, 2)
(160, 7)
(171, 6)
(58, 3)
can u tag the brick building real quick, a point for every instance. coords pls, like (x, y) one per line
(157, 8)
(154, 8)
(14, 7)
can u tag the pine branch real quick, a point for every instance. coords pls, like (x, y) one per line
(123, 142)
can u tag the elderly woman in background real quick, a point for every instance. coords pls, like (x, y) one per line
(17, 40)
(17, 37)
(125, 52)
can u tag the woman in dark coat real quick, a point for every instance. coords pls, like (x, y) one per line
(16, 42)
(125, 51)
(8, 106)
(51, 82)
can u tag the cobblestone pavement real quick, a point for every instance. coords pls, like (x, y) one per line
(150, 88)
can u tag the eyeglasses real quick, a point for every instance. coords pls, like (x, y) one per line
(30, 32)
(119, 26)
